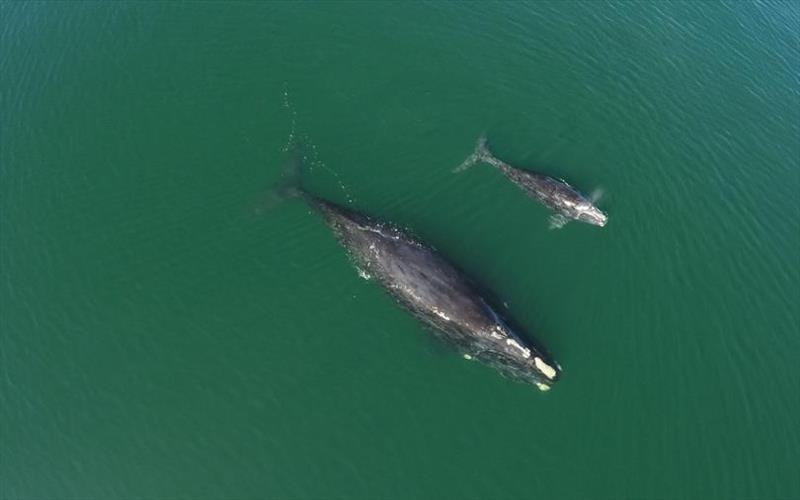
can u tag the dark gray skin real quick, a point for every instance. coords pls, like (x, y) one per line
(554, 193)
(436, 292)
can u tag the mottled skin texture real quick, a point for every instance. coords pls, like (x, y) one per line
(554, 193)
(437, 293)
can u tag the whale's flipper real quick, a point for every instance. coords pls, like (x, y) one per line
(557, 221)
(480, 154)
(364, 274)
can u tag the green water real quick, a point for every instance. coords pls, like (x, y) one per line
(162, 337)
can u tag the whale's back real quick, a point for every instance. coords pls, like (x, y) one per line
(425, 282)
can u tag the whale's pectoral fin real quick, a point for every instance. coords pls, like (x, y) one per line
(557, 221)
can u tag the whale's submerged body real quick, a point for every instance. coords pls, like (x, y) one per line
(555, 194)
(438, 293)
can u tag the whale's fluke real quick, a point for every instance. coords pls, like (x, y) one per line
(288, 186)
(480, 154)
(291, 182)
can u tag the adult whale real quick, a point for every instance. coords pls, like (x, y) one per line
(438, 293)
(434, 290)
(554, 193)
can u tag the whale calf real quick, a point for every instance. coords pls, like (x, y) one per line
(554, 193)
(436, 292)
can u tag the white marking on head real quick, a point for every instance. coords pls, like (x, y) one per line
(441, 314)
(543, 367)
(542, 387)
(497, 332)
(526, 353)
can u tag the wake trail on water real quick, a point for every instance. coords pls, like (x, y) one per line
(303, 149)
(301, 159)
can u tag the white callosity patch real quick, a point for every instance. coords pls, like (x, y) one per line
(526, 353)
(364, 274)
(548, 370)
(542, 387)
(440, 313)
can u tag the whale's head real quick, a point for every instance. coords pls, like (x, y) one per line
(519, 359)
(547, 372)
(590, 214)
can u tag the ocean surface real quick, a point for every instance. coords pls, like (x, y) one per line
(166, 333)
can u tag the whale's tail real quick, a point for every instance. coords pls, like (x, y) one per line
(481, 154)
(288, 186)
